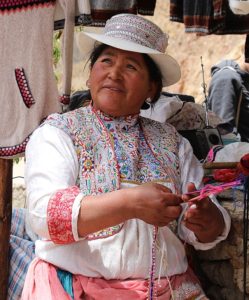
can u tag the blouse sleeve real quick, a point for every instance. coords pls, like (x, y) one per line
(53, 198)
(192, 171)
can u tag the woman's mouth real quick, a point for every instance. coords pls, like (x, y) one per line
(114, 89)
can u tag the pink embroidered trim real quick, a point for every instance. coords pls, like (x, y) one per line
(24, 87)
(59, 215)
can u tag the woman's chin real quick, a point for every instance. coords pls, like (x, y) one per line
(109, 108)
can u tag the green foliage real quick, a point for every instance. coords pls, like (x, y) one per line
(57, 47)
(16, 160)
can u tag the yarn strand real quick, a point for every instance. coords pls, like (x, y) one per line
(152, 292)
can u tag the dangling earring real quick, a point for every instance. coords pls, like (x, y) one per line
(88, 83)
(146, 104)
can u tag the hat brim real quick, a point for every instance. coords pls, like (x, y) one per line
(169, 67)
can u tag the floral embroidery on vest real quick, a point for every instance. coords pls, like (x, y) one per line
(96, 144)
(164, 143)
(98, 165)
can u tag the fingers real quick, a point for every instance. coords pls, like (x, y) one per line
(197, 208)
(198, 213)
(156, 204)
(172, 200)
(157, 190)
(191, 187)
(195, 227)
(170, 214)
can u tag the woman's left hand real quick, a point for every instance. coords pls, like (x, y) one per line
(203, 217)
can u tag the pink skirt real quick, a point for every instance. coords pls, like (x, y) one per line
(42, 283)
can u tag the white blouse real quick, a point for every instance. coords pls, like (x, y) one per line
(52, 164)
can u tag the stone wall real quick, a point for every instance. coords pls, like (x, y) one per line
(221, 269)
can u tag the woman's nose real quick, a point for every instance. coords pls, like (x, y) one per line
(115, 72)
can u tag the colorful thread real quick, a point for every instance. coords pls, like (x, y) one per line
(152, 291)
(210, 189)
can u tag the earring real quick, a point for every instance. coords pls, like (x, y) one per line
(146, 104)
(88, 83)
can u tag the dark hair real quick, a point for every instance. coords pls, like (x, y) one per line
(154, 72)
(79, 99)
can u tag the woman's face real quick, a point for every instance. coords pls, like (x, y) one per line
(119, 82)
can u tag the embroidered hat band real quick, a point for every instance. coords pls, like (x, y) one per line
(134, 33)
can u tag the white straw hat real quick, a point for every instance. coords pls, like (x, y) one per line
(134, 33)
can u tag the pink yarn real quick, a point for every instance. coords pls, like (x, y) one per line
(210, 189)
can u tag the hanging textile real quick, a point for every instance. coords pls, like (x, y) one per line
(82, 14)
(96, 12)
(246, 51)
(208, 17)
(28, 89)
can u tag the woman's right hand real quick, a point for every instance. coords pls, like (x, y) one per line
(154, 204)
(151, 202)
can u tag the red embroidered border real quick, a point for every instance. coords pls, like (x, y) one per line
(65, 99)
(14, 150)
(59, 215)
(10, 5)
(24, 87)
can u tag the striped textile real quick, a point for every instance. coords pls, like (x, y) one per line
(208, 17)
(22, 249)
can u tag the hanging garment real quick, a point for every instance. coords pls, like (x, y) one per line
(203, 17)
(208, 17)
(96, 12)
(82, 14)
(28, 89)
(246, 50)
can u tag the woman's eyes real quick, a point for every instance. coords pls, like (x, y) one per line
(109, 61)
(106, 60)
(132, 67)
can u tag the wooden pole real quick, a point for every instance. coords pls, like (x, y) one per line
(6, 170)
(220, 165)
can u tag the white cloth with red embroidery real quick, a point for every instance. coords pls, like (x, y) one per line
(126, 254)
(28, 88)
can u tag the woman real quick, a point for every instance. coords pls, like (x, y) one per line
(103, 184)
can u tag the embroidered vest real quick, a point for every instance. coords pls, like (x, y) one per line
(98, 166)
